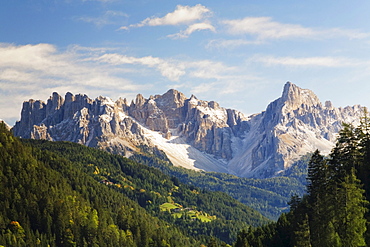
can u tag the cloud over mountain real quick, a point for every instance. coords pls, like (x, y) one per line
(266, 28)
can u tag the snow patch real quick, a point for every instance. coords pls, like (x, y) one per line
(121, 115)
(182, 154)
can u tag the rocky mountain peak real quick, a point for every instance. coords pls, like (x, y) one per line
(193, 100)
(294, 97)
(214, 105)
(69, 97)
(54, 103)
(291, 126)
(140, 100)
(328, 105)
(193, 133)
(293, 101)
(171, 99)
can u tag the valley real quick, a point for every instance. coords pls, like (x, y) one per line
(209, 170)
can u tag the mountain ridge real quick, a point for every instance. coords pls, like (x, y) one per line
(193, 133)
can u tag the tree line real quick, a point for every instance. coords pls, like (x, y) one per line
(66, 194)
(46, 200)
(267, 196)
(335, 209)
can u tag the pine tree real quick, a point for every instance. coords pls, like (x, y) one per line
(283, 231)
(347, 152)
(320, 200)
(350, 211)
(242, 238)
(317, 174)
(302, 233)
(350, 203)
(363, 171)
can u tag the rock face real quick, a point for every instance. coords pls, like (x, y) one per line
(291, 126)
(193, 133)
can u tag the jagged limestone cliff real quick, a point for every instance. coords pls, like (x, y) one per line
(291, 126)
(193, 133)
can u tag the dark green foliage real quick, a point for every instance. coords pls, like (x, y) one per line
(334, 211)
(349, 221)
(151, 188)
(268, 196)
(65, 194)
(320, 188)
(46, 199)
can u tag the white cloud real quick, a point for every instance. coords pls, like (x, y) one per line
(29, 56)
(181, 15)
(14, 75)
(43, 63)
(265, 28)
(167, 69)
(333, 62)
(205, 87)
(217, 79)
(37, 70)
(193, 28)
(34, 71)
(230, 85)
(174, 69)
(207, 69)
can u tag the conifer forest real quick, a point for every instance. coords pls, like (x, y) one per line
(66, 194)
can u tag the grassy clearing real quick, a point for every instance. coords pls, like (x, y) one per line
(178, 211)
(168, 206)
(204, 218)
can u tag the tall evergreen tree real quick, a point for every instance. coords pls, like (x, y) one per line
(320, 201)
(347, 152)
(347, 195)
(363, 171)
(317, 174)
(350, 211)
(302, 236)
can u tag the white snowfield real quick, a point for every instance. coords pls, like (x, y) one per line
(182, 154)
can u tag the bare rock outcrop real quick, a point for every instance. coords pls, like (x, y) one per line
(194, 133)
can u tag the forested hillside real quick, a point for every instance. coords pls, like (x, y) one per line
(335, 211)
(65, 194)
(46, 200)
(268, 196)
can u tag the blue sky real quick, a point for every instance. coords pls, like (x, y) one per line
(238, 53)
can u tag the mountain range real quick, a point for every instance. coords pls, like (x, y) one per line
(193, 133)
